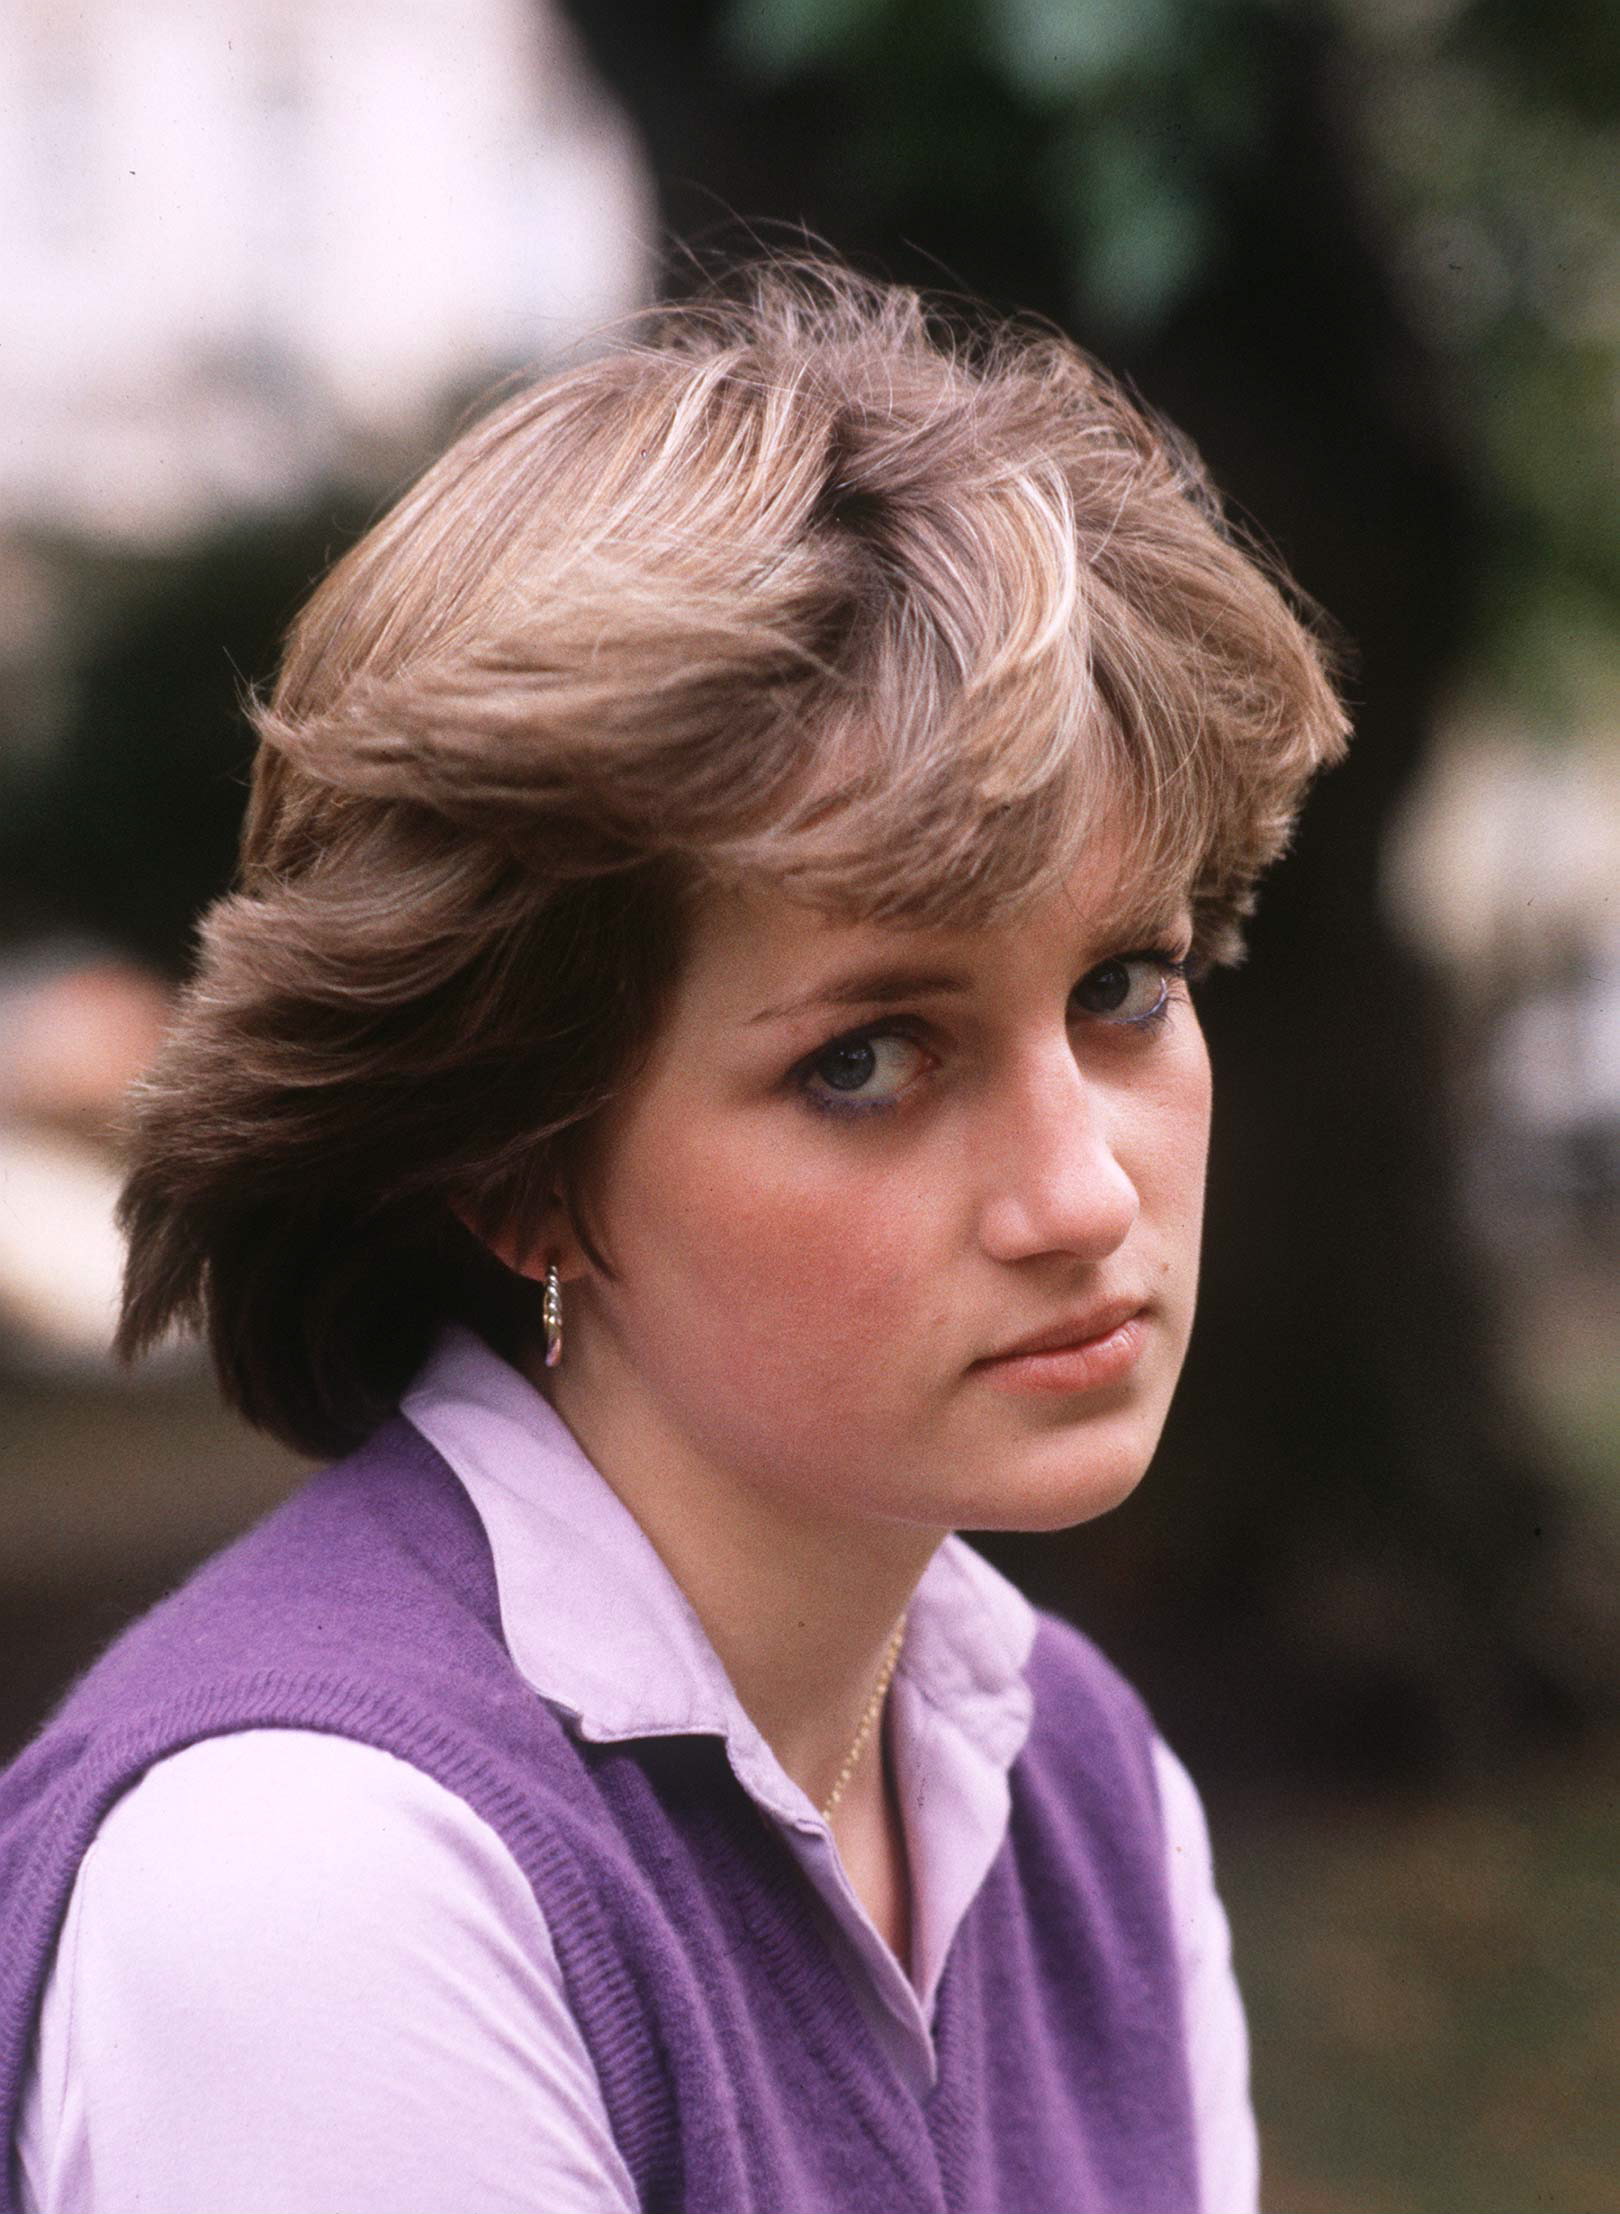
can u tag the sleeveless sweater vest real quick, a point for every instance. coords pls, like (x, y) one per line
(738, 2072)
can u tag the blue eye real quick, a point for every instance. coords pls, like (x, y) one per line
(1131, 988)
(869, 1072)
(862, 1074)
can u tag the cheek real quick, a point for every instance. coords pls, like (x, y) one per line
(1185, 1118)
(790, 1268)
(1172, 1155)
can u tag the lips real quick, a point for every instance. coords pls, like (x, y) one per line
(1097, 1322)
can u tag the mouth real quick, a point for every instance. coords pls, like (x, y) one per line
(1075, 1330)
(1083, 1353)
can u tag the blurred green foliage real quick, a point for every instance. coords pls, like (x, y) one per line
(1490, 154)
(1137, 112)
(1483, 144)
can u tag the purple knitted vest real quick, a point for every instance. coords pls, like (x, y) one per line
(736, 2066)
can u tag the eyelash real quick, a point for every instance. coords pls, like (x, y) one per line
(1175, 969)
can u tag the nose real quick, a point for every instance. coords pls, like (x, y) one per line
(1054, 1183)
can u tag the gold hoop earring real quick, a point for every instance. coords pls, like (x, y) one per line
(551, 1315)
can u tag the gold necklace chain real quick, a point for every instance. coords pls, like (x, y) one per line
(891, 1661)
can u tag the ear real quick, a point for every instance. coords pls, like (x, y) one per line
(529, 1248)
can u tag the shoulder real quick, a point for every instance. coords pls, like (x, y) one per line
(1088, 1786)
(252, 1801)
(360, 1611)
(1083, 1703)
(1216, 2032)
(225, 1851)
(292, 1953)
(373, 1576)
(387, 1532)
(1090, 1718)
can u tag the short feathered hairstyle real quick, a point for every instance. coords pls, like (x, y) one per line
(808, 582)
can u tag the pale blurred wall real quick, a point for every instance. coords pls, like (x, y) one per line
(247, 248)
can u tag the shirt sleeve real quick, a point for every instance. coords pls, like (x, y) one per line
(297, 1976)
(1217, 2035)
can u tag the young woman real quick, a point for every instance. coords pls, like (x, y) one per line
(694, 1102)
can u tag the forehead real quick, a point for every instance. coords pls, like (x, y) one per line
(757, 955)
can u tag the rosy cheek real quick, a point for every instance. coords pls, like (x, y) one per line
(823, 1253)
(810, 1254)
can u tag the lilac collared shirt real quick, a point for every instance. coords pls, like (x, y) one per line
(298, 1977)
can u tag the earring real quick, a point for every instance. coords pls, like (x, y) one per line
(551, 1315)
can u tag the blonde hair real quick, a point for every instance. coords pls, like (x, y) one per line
(806, 583)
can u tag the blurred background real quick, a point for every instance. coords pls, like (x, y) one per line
(254, 265)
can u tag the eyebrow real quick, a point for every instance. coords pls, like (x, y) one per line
(870, 987)
(883, 985)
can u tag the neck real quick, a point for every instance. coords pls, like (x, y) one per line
(799, 1604)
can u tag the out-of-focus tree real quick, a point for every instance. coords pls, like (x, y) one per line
(125, 828)
(1364, 253)
(1486, 138)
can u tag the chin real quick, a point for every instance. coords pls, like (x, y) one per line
(1061, 1480)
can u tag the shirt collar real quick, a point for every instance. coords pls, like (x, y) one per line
(596, 1624)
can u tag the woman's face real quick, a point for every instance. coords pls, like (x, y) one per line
(861, 1164)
